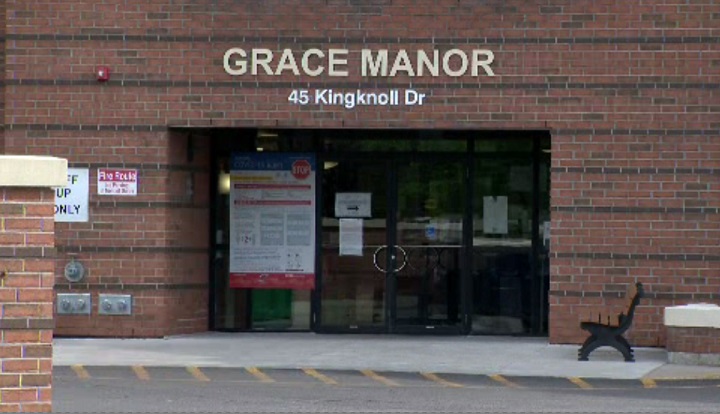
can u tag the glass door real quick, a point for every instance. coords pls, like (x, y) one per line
(428, 235)
(354, 233)
(392, 245)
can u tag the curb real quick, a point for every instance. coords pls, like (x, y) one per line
(338, 376)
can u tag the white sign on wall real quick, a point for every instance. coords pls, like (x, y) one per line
(71, 201)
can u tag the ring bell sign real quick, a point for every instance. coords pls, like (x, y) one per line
(373, 63)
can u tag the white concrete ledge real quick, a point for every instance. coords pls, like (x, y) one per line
(700, 315)
(32, 171)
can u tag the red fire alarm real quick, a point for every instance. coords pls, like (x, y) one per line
(103, 73)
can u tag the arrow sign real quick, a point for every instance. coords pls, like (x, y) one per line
(353, 205)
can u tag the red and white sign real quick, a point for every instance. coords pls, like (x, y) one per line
(114, 181)
(301, 169)
(272, 221)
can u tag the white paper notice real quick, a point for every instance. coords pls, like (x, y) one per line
(546, 232)
(351, 237)
(353, 205)
(495, 215)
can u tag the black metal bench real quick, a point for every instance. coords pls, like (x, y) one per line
(609, 333)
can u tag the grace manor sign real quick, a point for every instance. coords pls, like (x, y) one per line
(373, 63)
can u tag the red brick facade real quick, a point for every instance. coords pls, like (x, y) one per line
(26, 299)
(694, 340)
(3, 18)
(628, 91)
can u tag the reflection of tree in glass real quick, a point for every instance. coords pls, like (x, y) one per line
(431, 190)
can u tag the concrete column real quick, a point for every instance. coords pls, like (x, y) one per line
(693, 334)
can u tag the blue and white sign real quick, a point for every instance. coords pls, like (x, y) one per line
(430, 232)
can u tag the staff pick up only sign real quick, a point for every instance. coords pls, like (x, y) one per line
(71, 201)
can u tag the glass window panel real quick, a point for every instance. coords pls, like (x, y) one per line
(500, 144)
(502, 238)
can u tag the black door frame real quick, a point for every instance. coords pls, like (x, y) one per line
(244, 142)
(391, 161)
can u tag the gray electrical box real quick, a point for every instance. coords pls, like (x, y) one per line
(115, 304)
(73, 304)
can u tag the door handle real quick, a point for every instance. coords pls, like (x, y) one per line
(378, 250)
(405, 261)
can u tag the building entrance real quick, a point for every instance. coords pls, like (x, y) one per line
(416, 232)
(392, 243)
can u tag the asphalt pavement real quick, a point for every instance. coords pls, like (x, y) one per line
(496, 356)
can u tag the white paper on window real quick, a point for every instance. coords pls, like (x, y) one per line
(351, 237)
(495, 215)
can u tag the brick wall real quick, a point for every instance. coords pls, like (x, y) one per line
(694, 340)
(26, 299)
(2, 70)
(153, 246)
(627, 90)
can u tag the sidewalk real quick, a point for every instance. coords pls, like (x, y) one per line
(480, 355)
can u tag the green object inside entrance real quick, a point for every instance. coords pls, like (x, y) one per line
(272, 308)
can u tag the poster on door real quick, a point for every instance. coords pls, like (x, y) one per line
(272, 221)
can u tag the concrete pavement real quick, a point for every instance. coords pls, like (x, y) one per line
(480, 355)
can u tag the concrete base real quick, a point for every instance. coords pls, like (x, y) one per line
(687, 358)
(693, 334)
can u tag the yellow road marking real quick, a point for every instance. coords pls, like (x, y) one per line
(141, 372)
(580, 383)
(433, 377)
(504, 381)
(195, 372)
(379, 378)
(320, 377)
(649, 383)
(81, 372)
(259, 374)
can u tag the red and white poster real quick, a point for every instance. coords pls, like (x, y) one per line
(116, 181)
(272, 221)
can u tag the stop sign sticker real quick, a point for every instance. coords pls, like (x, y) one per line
(301, 169)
